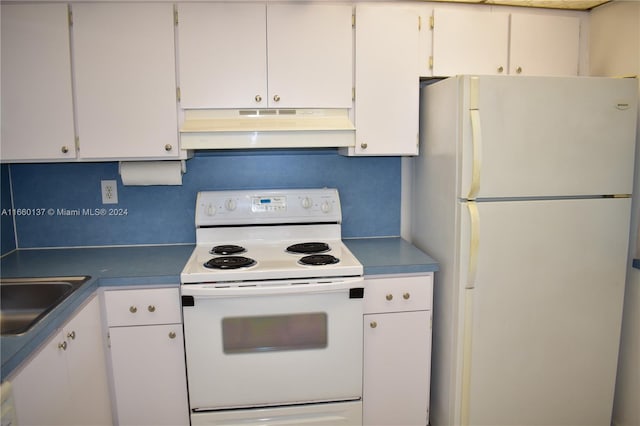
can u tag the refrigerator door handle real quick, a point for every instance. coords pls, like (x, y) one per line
(476, 144)
(474, 244)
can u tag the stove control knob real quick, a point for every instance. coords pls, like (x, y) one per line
(306, 202)
(210, 210)
(230, 204)
(326, 207)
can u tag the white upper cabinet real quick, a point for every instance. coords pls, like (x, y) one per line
(37, 103)
(124, 59)
(310, 58)
(265, 56)
(222, 54)
(467, 41)
(387, 80)
(485, 41)
(544, 45)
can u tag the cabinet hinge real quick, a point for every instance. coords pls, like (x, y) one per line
(175, 15)
(353, 20)
(419, 23)
(108, 340)
(178, 94)
(70, 16)
(353, 93)
(430, 62)
(77, 143)
(431, 21)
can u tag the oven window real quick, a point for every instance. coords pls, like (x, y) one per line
(274, 333)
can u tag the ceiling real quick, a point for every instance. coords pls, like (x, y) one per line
(552, 4)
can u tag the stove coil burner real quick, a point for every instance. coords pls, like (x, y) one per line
(319, 259)
(227, 249)
(308, 248)
(229, 262)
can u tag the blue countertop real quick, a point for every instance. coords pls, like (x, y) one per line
(153, 265)
(107, 266)
(381, 256)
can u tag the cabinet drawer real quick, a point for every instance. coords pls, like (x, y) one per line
(142, 307)
(398, 294)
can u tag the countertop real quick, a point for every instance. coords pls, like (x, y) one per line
(380, 256)
(154, 266)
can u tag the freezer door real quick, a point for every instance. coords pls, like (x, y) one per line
(546, 136)
(544, 310)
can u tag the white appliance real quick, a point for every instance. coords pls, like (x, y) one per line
(521, 192)
(272, 304)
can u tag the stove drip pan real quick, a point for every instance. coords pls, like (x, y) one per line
(227, 249)
(229, 262)
(319, 259)
(308, 248)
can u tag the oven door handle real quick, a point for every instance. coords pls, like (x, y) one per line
(210, 291)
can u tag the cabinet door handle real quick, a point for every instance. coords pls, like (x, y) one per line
(373, 324)
(364, 145)
(133, 309)
(62, 346)
(276, 98)
(151, 308)
(500, 69)
(389, 296)
(64, 149)
(72, 335)
(172, 335)
(519, 70)
(258, 98)
(168, 147)
(406, 296)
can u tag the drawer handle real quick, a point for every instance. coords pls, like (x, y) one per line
(373, 324)
(406, 296)
(389, 296)
(133, 309)
(151, 308)
(172, 335)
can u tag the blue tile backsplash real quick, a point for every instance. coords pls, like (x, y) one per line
(369, 189)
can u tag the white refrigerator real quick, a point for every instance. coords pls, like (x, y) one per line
(522, 193)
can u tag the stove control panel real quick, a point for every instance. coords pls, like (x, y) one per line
(268, 204)
(255, 207)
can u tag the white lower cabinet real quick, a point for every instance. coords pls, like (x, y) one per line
(66, 382)
(397, 350)
(146, 349)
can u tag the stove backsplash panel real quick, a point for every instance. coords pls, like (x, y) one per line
(62, 202)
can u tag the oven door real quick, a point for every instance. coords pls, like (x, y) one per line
(273, 343)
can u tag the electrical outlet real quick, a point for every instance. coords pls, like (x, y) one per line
(109, 191)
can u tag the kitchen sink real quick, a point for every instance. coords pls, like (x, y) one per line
(25, 301)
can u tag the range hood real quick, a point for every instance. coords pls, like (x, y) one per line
(266, 128)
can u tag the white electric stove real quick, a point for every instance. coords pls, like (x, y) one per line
(272, 306)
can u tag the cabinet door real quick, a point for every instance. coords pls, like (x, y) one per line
(40, 391)
(469, 42)
(149, 375)
(310, 63)
(37, 105)
(397, 365)
(87, 368)
(66, 382)
(125, 80)
(387, 80)
(222, 54)
(553, 51)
